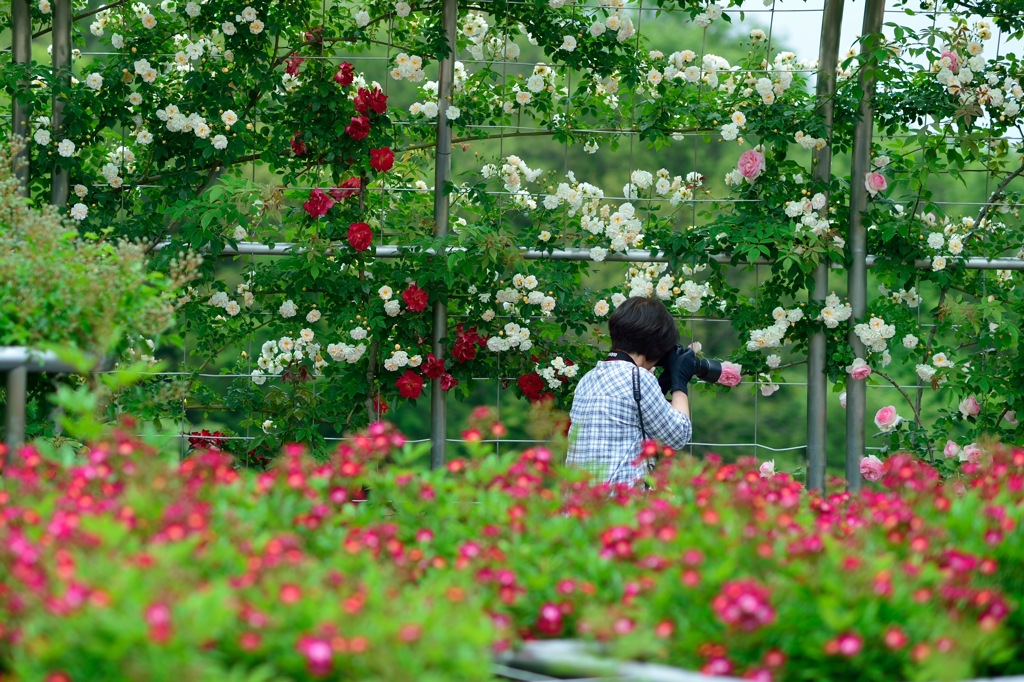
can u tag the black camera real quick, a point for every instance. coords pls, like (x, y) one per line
(704, 369)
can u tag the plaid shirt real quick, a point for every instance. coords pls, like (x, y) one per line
(605, 438)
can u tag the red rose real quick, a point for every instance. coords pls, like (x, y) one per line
(298, 146)
(466, 341)
(345, 74)
(448, 382)
(380, 407)
(415, 298)
(346, 189)
(433, 367)
(294, 62)
(532, 386)
(359, 128)
(360, 236)
(382, 159)
(371, 99)
(319, 203)
(410, 385)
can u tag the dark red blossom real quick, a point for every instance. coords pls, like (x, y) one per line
(382, 159)
(410, 385)
(204, 440)
(298, 146)
(433, 367)
(292, 67)
(359, 128)
(532, 386)
(448, 382)
(345, 74)
(360, 236)
(415, 298)
(367, 100)
(346, 189)
(318, 204)
(466, 342)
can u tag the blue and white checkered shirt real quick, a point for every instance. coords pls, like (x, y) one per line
(605, 437)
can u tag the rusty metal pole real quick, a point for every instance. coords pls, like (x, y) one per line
(817, 381)
(856, 392)
(442, 211)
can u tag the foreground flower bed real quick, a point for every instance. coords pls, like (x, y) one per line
(130, 566)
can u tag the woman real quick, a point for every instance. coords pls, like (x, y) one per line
(619, 403)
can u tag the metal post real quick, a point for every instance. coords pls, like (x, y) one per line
(856, 391)
(442, 177)
(21, 47)
(59, 187)
(14, 426)
(817, 381)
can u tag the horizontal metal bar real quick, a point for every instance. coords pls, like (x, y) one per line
(12, 357)
(580, 254)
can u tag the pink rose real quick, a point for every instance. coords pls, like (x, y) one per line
(951, 450)
(971, 453)
(1011, 418)
(886, 418)
(842, 399)
(767, 469)
(859, 369)
(970, 407)
(751, 164)
(871, 468)
(875, 182)
(954, 60)
(730, 374)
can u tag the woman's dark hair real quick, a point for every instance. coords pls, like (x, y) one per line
(643, 326)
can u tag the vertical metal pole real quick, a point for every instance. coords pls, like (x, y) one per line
(21, 47)
(442, 177)
(856, 391)
(59, 187)
(14, 426)
(817, 381)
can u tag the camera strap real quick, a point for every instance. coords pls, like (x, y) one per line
(625, 357)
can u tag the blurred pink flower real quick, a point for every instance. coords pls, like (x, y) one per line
(767, 469)
(969, 407)
(951, 449)
(859, 369)
(871, 468)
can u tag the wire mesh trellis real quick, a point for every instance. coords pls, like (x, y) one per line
(816, 383)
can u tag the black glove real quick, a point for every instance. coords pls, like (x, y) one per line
(681, 370)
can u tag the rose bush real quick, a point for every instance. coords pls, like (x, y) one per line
(134, 564)
(189, 96)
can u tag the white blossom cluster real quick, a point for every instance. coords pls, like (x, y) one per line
(966, 74)
(408, 68)
(220, 300)
(908, 296)
(805, 212)
(767, 384)
(834, 312)
(949, 243)
(809, 142)
(143, 356)
(553, 372)
(343, 352)
(428, 107)
(773, 336)
(875, 333)
(512, 173)
(641, 282)
(400, 358)
(939, 361)
(693, 295)
(276, 355)
(778, 79)
(511, 336)
(682, 67)
(392, 306)
(190, 51)
(730, 131)
(522, 292)
(144, 69)
(243, 290)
